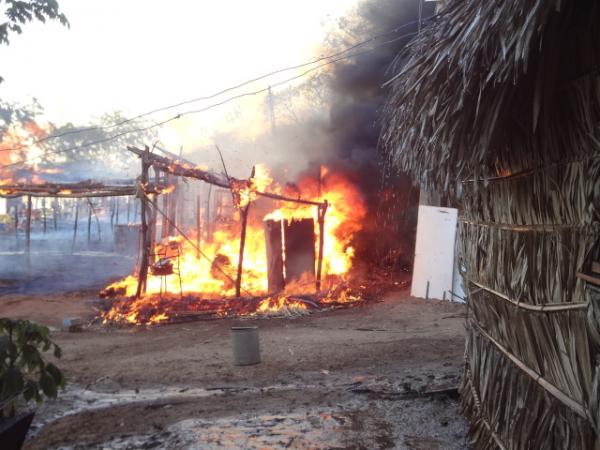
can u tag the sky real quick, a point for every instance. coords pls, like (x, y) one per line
(137, 55)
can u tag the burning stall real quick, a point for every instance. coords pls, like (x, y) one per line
(295, 251)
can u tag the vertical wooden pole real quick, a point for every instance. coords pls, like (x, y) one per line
(198, 226)
(93, 211)
(55, 213)
(89, 225)
(44, 221)
(143, 275)
(208, 224)
(75, 224)
(112, 213)
(28, 231)
(165, 208)
(172, 213)
(181, 206)
(244, 214)
(321, 217)
(238, 280)
(17, 222)
(154, 225)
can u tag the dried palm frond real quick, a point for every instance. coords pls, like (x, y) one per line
(493, 88)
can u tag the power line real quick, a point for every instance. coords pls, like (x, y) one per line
(214, 105)
(216, 94)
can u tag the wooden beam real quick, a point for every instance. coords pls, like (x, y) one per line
(89, 223)
(75, 224)
(72, 190)
(589, 278)
(244, 216)
(321, 218)
(143, 274)
(188, 171)
(44, 219)
(28, 230)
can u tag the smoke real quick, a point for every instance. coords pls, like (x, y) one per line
(333, 118)
(354, 125)
(356, 85)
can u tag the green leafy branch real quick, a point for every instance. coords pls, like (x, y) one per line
(23, 369)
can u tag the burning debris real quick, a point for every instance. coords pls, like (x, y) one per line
(293, 254)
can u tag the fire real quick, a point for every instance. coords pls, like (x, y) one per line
(18, 142)
(209, 275)
(167, 190)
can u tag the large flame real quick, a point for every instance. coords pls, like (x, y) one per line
(19, 153)
(210, 273)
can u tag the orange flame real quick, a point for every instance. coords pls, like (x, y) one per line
(211, 275)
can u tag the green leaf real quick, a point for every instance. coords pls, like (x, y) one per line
(31, 390)
(31, 356)
(55, 373)
(48, 385)
(11, 382)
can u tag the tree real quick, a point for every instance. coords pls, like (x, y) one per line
(107, 156)
(20, 12)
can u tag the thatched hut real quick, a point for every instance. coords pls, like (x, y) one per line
(498, 103)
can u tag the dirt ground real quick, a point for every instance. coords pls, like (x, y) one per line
(340, 379)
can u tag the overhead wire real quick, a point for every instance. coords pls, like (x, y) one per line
(214, 105)
(216, 94)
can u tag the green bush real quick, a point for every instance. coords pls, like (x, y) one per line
(23, 371)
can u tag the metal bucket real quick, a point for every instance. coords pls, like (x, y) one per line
(246, 348)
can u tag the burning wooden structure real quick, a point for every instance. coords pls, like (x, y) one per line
(498, 105)
(79, 190)
(243, 191)
(283, 256)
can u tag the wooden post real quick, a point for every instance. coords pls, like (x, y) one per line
(55, 213)
(17, 222)
(75, 224)
(112, 213)
(93, 211)
(165, 208)
(244, 217)
(172, 211)
(198, 226)
(143, 275)
(44, 213)
(182, 187)
(321, 216)
(89, 227)
(154, 224)
(28, 230)
(208, 224)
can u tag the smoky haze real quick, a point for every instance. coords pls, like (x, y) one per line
(333, 117)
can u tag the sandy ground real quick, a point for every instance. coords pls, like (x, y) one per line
(340, 379)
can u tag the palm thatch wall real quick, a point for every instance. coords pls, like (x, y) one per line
(498, 103)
